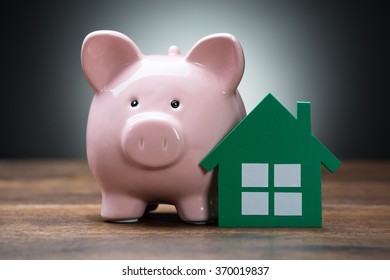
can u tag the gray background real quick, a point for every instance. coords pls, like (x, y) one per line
(331, 53)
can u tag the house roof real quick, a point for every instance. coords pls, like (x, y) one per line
(271, 131)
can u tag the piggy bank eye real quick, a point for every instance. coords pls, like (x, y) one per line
(134, 103)
(175, 104)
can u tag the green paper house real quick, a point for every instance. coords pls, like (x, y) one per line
(269, 169)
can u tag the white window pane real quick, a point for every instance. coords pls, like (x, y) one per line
(254, 203)
(254, 175)
(288, 204)
(287, 175)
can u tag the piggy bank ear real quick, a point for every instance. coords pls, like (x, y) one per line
(104, 54)
(223, 56)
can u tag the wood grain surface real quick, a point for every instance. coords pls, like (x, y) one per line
(50, 210)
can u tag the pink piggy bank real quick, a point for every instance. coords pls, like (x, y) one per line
(152, 120)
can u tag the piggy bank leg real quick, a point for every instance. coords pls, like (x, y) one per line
(122, 208)
(196, 209)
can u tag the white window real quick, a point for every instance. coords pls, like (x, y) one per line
(256, 175)
(287, 175)
(288, 204)
(254, 203)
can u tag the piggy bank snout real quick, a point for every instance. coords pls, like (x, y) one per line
(153, 142)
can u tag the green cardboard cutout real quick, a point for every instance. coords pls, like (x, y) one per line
(269, 169)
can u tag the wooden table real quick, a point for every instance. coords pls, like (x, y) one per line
(50, 210)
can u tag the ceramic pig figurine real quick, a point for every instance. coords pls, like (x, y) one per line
(153, 118)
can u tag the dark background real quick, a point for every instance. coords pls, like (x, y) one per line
(332, 53)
